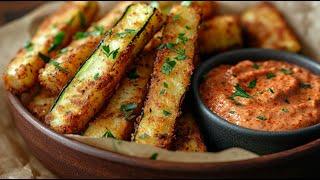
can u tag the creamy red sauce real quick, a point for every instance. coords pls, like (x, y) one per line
(268, 95)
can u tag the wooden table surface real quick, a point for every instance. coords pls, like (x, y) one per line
(10, 10)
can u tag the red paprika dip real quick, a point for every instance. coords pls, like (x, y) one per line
(267, 95)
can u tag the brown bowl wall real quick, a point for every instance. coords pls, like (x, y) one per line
(71, 159)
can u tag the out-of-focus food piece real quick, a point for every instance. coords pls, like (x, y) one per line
(117, 119)
(56, 75)
(219, 34)
(97, 79)
(41, 103)
(265, 27)
(188, 135)
(53, 34)
(170, 79)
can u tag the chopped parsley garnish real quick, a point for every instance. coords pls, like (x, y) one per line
(255, 66)
(108, 134)
(83, 20)
(252, 84)
(187, 27)
(98, 31)
(166, 113)
(261, 117)
(126, 32)
(305, 85)
(270, 75)
(232, 112)
(286, 71)
(44, 58)
(133, 74)
(176, 17)
(165, 85)
(144, 136)
(154, 4)
(57, 65)
(167, 45)
(162, 91)
(28, 46)
(181, 54)
(154, 156)
(96, 76)
(240, 92)
(81, 35)
(58, 39)
(284, 110)
(182, 38)
(107, 51)
(168, 66)
(271, 90)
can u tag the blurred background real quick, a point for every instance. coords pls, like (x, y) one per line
(11, 10)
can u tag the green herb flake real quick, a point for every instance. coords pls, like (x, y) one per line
(286, 71)
(255, 66)
(108, 134)
(58, 39)
(166, 113)
(96, 76)
(187, 27)
(82, 19)
(113, 54)
(57, 66)
(252, 84)
(126, 32)
(162, 91)
(168, 66)
(165, 85)
(81, 35)
(176, 17)
(167, 45)
(154, 156)
(240, 92)
(106, 49)
(270, 75)
(98, 31)
(182, 38)
(133, 74)
(28, 46)
(271, 90)
(305, 85)
(181, 54)
(44, 58)
(284, 110)
(262, 118)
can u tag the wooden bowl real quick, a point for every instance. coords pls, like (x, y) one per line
(71, 159)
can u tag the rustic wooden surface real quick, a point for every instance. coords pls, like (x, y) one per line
(11, 10)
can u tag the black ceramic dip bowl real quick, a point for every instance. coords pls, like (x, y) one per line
(220, 133)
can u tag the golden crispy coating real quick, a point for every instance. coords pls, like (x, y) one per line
(55, 76)
(265, 27)
(170, 78)
(188, 135)
(100, 75)
(219, 34)
(117, 118)
(53, 34)
(41, 103)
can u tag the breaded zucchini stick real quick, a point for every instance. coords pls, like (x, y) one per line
(118, 117)
(219, 34)
(56, 75)
(54, 33)
(101, 73)
(265, 27)
(41, 103)
(170, 78)
(188, 135)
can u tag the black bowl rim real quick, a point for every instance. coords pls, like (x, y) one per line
(209, 64)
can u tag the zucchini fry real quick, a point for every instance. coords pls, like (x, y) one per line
(219, 34)
(41, 103)
(56, 75)
(101, 73)
(170, 78)
(188, 135)
(54, 33)
(265, 27)
(117, 119)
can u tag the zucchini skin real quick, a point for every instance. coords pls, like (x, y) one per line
(219, 34)
(132, 91)
(188, 136)
(162, 107)
(22, 71)
(84, 95)
(265, 27)
(54, 79)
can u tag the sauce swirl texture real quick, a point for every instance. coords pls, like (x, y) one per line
(267, 95)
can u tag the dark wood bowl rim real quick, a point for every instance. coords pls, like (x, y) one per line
(159, 164)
